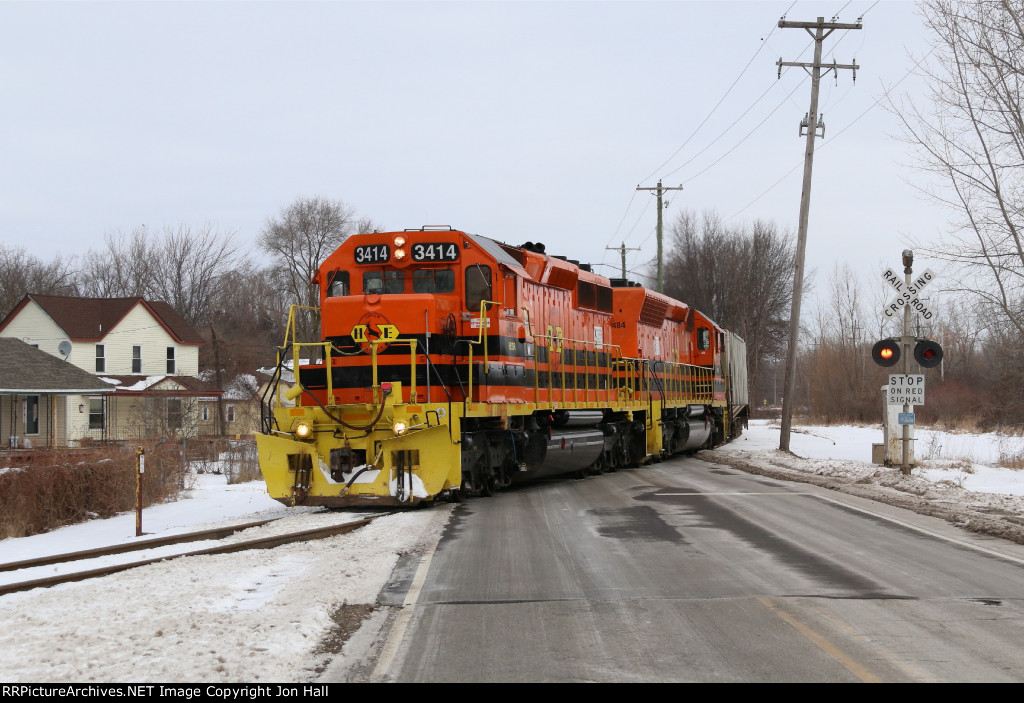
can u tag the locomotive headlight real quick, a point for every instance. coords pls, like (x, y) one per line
(303, 430)
(399, 254)
(399, 428)
(399, 241)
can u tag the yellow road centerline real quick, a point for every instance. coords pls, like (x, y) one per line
(822, 643)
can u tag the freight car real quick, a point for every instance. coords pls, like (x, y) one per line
(449, 364)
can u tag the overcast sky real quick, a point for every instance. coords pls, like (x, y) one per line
(515, 120)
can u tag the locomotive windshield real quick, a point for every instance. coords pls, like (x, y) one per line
(387, 282)
(427, 280)
(433, 281)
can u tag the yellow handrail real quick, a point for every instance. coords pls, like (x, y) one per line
(480, 338)
(556, 341)
(687, 381)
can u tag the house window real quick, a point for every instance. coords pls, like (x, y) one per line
(101, 359)
(229, 413)
(31, 414)
(205, 413)
(96, 414)
(174, 414)
(170, 360)
(136, 359)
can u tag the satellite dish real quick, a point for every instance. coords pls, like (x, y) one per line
(64, 348)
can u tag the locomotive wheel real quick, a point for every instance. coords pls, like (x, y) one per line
(458, 495)
(488, 486)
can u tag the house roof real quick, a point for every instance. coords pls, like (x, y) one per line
(27, 370)
(242, 387)
(90, 319)
(159, 385)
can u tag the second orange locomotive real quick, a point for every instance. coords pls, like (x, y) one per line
(450, 363)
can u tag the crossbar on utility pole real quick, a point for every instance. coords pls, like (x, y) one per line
(623, 249)
(813, 123)
(659, 189)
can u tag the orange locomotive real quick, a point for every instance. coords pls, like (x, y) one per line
(450, 363)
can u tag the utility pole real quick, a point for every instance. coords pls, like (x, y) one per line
(812, 122)
(659, 189)
(623, 250)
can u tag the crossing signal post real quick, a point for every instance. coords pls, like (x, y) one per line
(889, 352)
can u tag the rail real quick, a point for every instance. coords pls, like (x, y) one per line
(267, 542)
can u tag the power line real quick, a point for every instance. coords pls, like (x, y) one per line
(747, 136)
(826, 142)
(764, 43)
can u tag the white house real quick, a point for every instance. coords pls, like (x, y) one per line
(33, 388)
(144, 350)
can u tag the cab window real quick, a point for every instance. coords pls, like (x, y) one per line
(703, 338)
(386, 282)
(478, 285)
(337, 284)
(433, 281)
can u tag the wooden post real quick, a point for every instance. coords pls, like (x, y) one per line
(140, 468)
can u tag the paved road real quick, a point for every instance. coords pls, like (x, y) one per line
(686, 571)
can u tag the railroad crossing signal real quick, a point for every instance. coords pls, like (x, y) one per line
(886, 352)
(928, 354)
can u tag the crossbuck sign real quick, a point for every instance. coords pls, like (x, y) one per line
(907, 295)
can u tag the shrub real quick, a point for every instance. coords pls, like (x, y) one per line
(52, 488)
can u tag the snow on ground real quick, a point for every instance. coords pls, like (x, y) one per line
(957, 477)
(265, 615)
(254, 616)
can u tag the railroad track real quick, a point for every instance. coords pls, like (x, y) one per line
(266, 542)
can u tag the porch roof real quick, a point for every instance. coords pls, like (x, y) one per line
(24, 370)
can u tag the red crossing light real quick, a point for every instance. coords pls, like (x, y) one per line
(928, 354)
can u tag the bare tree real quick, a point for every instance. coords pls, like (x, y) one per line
(841, 379)
(970, 137)
(191, 266)
(21, 274)
(181, 266)
(123, 269)
(246, 319)
(300, 238)
(741, 277)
